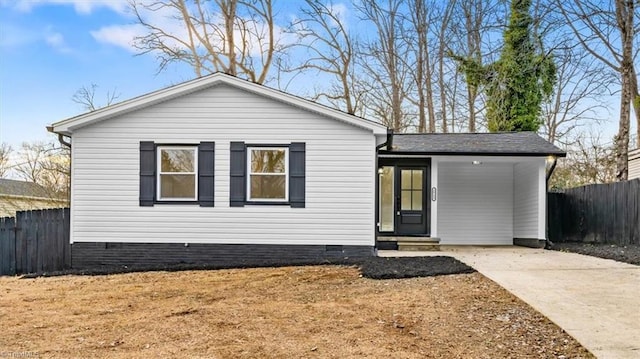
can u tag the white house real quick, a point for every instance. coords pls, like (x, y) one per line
(634, 164)
(219, 170)
(18, 196)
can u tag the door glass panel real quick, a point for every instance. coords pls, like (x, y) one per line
(386, 199)
(417, 179)
(411, 195)
(406, 179)
(417, 200)
(405, 201)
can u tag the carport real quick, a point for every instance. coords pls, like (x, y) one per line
(477, 189)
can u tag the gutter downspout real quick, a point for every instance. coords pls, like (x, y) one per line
(60, 137)
(551, 169)
(388, 142)
(548, 244)
(67, 144)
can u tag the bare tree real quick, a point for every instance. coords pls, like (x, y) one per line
(588, 161)
(607, 30)
(385, 62)
(5, 159)
(86, 97)
(442, 52)
(45, 164)
(237, 37)
(330, 50)
(577, 99)
(420, 17)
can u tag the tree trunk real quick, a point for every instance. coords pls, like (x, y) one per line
(624, 17)
(443, 92)
(473, 23)
(430, 107)
(229, 13)
(622, 138)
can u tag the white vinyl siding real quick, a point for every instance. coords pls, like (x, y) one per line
(475, 203)
(526, 199)
(340, 173)
(634, 164)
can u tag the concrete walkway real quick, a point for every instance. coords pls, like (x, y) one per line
(597, 301)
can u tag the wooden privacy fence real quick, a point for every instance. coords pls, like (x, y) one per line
(35, 242)
(600, 213)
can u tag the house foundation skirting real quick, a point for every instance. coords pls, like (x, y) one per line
(529, 242)
(92, 255)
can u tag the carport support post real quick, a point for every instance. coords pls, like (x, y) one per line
(433, 197)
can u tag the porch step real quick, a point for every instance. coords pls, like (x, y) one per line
(415, 243)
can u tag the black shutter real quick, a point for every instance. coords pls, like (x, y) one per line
(147, 173)
(206, 173)
(238, 171)
(297, 174)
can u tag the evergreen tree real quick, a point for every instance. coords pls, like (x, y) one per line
(521, 79)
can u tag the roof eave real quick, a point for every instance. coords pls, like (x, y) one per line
(497, 154)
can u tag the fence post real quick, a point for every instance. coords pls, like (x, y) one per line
(66, 233)
(7, 246)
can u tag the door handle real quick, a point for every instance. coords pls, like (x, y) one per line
(398, 213)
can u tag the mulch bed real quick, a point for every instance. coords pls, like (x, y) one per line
(370, 267)
(627, 254)
(409, 267)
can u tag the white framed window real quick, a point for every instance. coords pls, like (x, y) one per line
(268, 169)
(177, 173)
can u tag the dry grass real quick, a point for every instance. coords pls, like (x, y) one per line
(303, 312)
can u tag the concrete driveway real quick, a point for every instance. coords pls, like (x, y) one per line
(597, 301)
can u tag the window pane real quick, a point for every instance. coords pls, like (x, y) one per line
(386, 199)
(405, 201)
(268, 186)
(417, 179)
(268, 161)
(405, 180)
(417, 200)
(177, 186)
(175, 160)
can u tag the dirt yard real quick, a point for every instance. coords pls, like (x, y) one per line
(302, 312)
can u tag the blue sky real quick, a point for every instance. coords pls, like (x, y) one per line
(50, 49)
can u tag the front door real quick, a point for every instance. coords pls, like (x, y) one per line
(411, 204)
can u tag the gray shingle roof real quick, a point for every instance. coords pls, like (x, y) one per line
(22, 188)
(502, 144)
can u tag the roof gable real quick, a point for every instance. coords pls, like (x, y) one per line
(495, 144)
(68, 126)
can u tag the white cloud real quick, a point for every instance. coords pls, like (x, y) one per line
(13, 36)
(84, 7)
(56, 41)
(119, 35)
(340, 11)
(124, 35)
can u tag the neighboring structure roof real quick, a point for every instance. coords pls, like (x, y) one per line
(22, 189)
(66, 127)
(496, 144)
